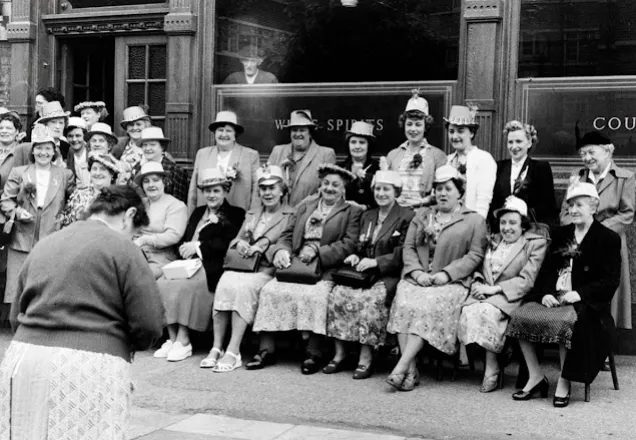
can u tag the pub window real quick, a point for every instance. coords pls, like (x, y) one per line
(146, 79)
(77, 4)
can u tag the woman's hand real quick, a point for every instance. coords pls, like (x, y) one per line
(482, 291)
(253, 250)
(366, 263)
(441, 278)
(352, 260)
(307, 254)
(571, 297)
(425, 280)
(242, 247)
(188, 250)
(282, 259)
(550, 301)
(23, 215)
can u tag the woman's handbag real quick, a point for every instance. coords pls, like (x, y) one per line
(238, 263)
(349, 276)
(300, 273)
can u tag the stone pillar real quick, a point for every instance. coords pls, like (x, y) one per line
(180, 25)
(485, 66)
(21, 33)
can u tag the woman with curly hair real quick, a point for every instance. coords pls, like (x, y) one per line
(416, 160)
(524, 177)
(92, 112)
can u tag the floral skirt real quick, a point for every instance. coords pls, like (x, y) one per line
(358, 315)
(239, 292)
(483, 324)
(534, 322)
(432, 313)
(291, 306)
(59, 393)
(188, 302)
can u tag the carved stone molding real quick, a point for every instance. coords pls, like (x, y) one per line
(180, 24)
(483, 10)
(21, 31)
(136, 20)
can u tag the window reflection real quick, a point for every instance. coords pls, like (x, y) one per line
(577, 38)
(303, 41)
(99, 3)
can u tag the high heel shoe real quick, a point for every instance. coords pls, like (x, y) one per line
(562, 402)
(541, 388)
(396, 380)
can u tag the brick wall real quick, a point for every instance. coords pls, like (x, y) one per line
(5, 72)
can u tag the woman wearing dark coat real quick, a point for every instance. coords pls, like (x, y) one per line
(360, 141)
(210, 230)
(524, 177)
(575, 287)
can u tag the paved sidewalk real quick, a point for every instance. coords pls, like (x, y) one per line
(156, 425)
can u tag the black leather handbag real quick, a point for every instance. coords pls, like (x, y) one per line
(350, 277)
(238, 263)
(300, 273)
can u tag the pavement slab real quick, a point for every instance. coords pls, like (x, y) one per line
(213, 425)
(144, 421)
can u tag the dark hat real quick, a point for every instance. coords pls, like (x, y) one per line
(590, 138)
(328, 168)
(250, 51)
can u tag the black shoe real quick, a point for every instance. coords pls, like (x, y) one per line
(363, 372)
(561, 402)
(311, 365)
(541, 388)
(261, 360)
(333, 367)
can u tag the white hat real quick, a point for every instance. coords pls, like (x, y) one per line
(225, 118)
(132, 114)
(389, 177)
(269, 174)
(417, 103)
(103, 129)
(96, 105)
(360, 128)
(446, 173)
(75, 122)
(462, 115)
(211, 177)
(513, 204)
(579, 189)
(300, 118)
(152, 134)
(52, 110)
(41, 135)
(150, 168)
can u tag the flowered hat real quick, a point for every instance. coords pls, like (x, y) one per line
(150, 168)
(41, 135)
(513, 204)
(387, 177)
(269, 174)
(108, 160)
(463, 116)
(132, 114)
(226, 118)
(52, 110)
(301, 118)
(211, 177)
(96, 105)
(580, 189)
(360, 128)
(417, 103)
(103, 129)
(446, 173)
(152, 134)
(328, 168)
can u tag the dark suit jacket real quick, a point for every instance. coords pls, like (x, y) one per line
(387, 250)
(538, 193)
(120, 147)
(359, 190)
(262, 77)
(215, 238)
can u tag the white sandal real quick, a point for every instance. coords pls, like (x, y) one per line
(226, 368)
(210, 362)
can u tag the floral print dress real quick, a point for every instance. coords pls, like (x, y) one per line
(77, 205)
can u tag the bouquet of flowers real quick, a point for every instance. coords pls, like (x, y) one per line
(30, 189)
(232, 172)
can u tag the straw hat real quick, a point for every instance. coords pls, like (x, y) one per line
(301, 118)
(152, 134)
(462, 115)
(360, 128)
(41, 135)
(150, 168)
(96, 105)
(132, 114)
(446, 173)
(211, 177)
(52, 110)
(579, 189)
(108, 160)
(269, 174)
(75, 122)
(103, 129)
(226, 118)
(513, 204)
(387, 177)
(417, 103)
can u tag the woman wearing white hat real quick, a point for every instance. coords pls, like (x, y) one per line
(168, 218)
(154, 144)
(103, 170)
(77, 160)
(416, 160)
(510, 268)
(236, 296)
(134, 120)
(210, 230)
(573, 294)
(444, 246)
(92, 112)
(237, 162)
(476, 166)
(360, 315)
(33, 196)
(101, 140)
(55, 118)
(360, 141)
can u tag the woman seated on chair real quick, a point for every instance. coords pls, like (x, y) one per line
(324, 228)
(360, 315)
(236, 296)
(510, 268)
(188, 302)
(444, 245)
(575, 288)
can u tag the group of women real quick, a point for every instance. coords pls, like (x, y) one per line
(442, 251)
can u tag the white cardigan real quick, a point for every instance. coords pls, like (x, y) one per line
(481, 173)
